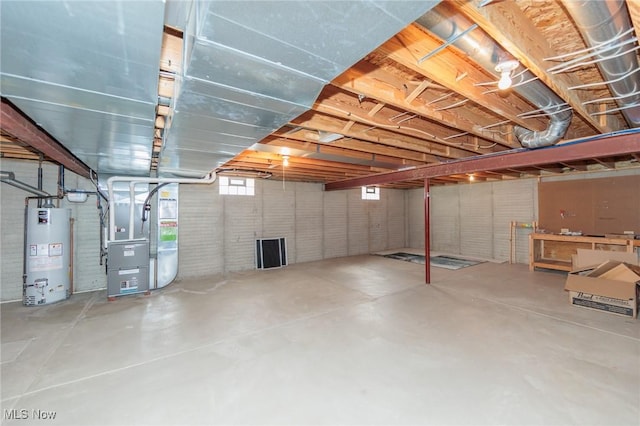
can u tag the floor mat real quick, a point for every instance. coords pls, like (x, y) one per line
(447, 262)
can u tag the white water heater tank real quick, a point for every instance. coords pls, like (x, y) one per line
(47, 256)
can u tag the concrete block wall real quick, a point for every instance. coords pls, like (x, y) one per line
(415, 218)
(335, 222)
(309, 223)
(217, 233)
(316, 224)
(474, 219)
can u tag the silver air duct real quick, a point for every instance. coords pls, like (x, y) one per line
(599, 22)
(10, 178)
(447, 24)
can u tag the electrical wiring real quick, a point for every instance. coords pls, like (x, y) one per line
(594, 47)
(541, 113)
(613, 98)
(612, 110)
(602, 83)
(594, 61)
(397, 127)
(457, 104)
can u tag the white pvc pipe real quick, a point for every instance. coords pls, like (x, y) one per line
(210, 178)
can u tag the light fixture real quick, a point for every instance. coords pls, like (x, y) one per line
(285, 160)
(471, 177)
(328, 137)
(505, 68)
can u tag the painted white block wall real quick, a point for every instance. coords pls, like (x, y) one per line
(201, 230)
(316, 224)
(88, 273)
(396, 219)
(309, 223)
(445, 218)
(513, 201)
(415, 218)
(279, 214)
(217, 233)
(377, 222)
(474, 219)
(335, 219)
(242, 225)
(358, 223)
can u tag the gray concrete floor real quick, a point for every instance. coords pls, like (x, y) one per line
(358, 340)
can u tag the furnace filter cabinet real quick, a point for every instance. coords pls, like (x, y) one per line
(47, 256)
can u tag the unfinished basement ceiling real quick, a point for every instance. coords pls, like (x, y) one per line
(343, 89)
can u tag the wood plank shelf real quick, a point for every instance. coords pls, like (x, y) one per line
(551, 251)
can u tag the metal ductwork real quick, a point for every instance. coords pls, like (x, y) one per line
(599, 22)
(252, 66)
(10, 179)
(449, 25)
(87, 72)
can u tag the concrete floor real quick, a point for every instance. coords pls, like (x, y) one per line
(357, 340)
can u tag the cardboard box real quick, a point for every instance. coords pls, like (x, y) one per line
(587, 257)
(610, 287)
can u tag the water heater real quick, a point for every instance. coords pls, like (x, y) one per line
(47, 256)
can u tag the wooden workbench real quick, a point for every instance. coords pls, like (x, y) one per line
(551, 251)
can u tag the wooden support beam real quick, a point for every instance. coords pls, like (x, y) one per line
(606, 164)
(19, 126)
(604, 147)
(505, 22)
(575, 166)
(412, 44)
(365, 132)
(550, 169)
(375, 109)
(417, 91)
(347, 126)
(364, 147)
(418, 130)
(384, 87)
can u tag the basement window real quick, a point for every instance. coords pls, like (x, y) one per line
(370, 193)
(236, 186)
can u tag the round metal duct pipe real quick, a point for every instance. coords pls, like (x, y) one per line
(447, 24)
(599, 22)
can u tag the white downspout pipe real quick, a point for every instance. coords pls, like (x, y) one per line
(208, 179)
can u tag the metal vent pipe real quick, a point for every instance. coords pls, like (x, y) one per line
(448, 24)
(599, 22)
(10, 178)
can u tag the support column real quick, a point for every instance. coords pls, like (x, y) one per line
(427, 239)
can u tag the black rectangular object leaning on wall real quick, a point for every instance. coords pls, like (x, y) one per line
(271, 253)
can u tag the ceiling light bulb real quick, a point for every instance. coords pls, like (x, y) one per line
(472, 178)
(505, 81)
(505, 68)
(285, 161)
